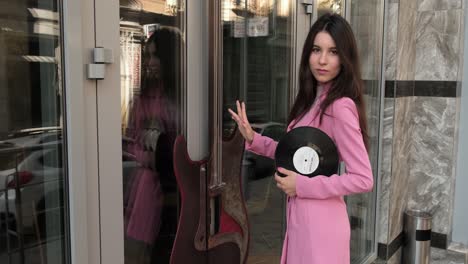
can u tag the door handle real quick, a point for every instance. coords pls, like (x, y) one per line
(101, 57)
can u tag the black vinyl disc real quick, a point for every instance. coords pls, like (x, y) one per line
(307, 151)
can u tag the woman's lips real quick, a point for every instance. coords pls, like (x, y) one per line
(322, 71)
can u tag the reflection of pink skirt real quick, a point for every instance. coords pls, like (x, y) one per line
(144, 206)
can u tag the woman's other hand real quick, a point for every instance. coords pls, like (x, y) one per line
(288, 183)
(242, 122)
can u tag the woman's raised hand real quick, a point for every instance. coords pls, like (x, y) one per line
(242, 122)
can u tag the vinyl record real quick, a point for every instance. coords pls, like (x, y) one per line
(307, 151)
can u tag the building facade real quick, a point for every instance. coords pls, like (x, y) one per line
(423, 112)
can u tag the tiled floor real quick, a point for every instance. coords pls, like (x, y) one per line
(265, 205)
(440, 256)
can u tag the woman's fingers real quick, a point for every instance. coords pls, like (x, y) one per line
(242, 122)
(279, 182)
(244, 114)
(236, 118)
(285, 171)
(239, 110)
(234, 115)
(278, 179)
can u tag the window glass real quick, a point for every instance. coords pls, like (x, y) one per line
(32, 161)
(256, 69)
(152, 63)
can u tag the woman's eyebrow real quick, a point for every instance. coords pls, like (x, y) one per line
(318, 46)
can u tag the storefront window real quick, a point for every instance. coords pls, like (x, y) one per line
(257, 50)
(151, 59)
(33, 189)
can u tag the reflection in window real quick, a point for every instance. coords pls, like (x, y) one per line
(256, 69)
(334, 6)
(151, 71)
(32, 217)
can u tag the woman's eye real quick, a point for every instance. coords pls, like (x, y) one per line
(315, 50)
(334, 52)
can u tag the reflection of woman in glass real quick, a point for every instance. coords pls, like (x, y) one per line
(151, 196)
(330, 98)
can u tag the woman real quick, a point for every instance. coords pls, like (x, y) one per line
(330, 98)
(151, 195)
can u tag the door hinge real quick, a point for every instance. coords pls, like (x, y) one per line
(308, 6)
(101, 57)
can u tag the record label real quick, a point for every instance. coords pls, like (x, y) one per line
(306, 160)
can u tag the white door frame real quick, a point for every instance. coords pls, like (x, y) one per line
(92, 226)
(109, 135)
(82, 156)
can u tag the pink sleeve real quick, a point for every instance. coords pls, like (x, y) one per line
(348, 139)
(262, 145)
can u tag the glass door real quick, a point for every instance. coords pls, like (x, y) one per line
(189, 193)
(366, 19)
(258, 56)
(152, 88)
(174, 184)
(34, 172)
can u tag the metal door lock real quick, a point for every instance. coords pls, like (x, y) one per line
(97, 69)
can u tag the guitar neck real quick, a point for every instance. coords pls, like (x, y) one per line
(216, 96)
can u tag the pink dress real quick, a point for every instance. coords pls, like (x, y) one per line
(151, 117)
(318, 229)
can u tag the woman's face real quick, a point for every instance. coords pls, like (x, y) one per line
(324, 61)
(154, 63)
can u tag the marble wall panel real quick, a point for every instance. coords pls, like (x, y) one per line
(367, 57)
(391, 40)
(438, 45)
(430, 185)
(406, 40)
(402, 147)
(431, 5)
(360, 25)
(365, 7)
(373, 122)
(385, 171)
(365, 21)
(424, 42)
(396, 258)
(422, 161)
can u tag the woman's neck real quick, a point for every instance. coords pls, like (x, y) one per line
(319, 90)
(323, 87)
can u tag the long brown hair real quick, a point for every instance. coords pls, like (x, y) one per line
(347, 83)
(168, 43)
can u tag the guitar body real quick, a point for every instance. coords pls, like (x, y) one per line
(233, 212)
(191, 244)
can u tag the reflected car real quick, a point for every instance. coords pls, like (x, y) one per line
(36, 157)
(31, 158)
